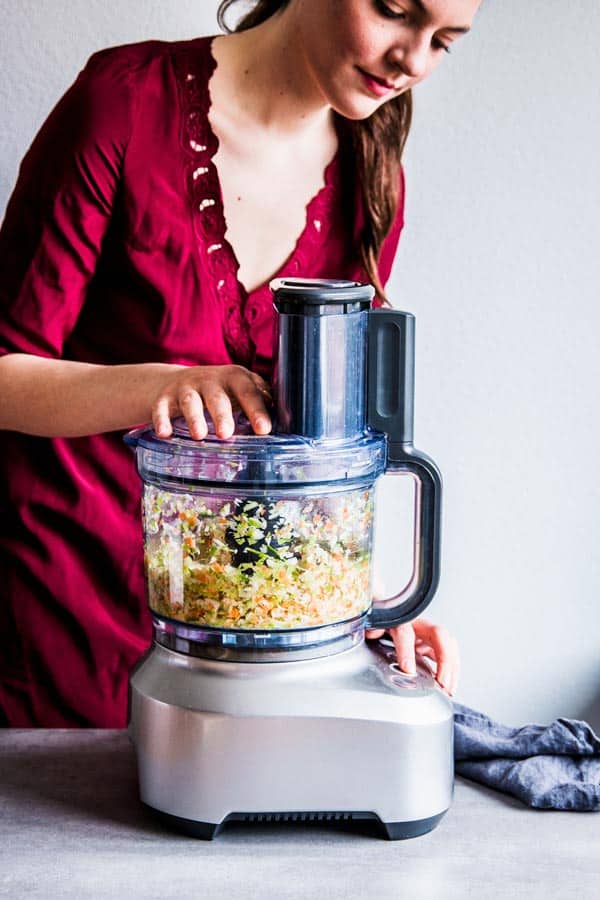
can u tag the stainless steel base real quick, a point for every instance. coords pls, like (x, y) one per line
(342, 737)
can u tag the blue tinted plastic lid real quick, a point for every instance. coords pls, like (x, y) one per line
(252, 460)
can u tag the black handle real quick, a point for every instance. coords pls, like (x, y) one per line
(418, 593)
(390, 408)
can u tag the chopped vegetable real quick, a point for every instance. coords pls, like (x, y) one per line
(258, 563)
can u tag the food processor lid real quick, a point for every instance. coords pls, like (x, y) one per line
(255, 460)
(320, 296)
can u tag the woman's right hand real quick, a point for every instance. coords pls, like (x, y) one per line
(222, 390)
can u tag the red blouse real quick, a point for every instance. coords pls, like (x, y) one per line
(113, 250)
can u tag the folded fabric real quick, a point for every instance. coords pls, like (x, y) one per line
(554, 766)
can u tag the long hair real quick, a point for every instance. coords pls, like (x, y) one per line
(377, 144)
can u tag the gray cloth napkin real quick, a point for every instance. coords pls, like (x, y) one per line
(554, 766)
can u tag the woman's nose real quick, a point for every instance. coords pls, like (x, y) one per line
(412, 58)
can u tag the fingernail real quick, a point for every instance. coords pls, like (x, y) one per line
(224, 427)
(408, 666)
(262, 423)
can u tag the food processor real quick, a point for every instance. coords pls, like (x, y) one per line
(260, 699)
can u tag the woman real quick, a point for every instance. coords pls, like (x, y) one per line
(123, 299)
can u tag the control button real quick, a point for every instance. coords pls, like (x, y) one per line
(396, 668)
(407, 684)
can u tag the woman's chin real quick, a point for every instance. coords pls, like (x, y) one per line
(356, 109)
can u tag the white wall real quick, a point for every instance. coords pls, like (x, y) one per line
(500, 264)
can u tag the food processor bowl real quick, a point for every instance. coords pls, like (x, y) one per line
(251, 542)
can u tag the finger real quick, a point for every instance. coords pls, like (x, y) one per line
(404, 642)
(161, 420)
(219, 406)
(191, 407)
(252, 394)
(263, 386)
(448, 664)
(425, 650)
(446, 653)
(374, 633)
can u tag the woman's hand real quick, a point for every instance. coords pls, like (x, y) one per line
(428, 640)
(219, 389)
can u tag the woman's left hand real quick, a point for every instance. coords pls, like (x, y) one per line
(428, 640)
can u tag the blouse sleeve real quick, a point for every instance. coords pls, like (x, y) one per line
(390, 244)
(61, 206)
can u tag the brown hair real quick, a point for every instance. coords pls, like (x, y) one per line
(377, 143)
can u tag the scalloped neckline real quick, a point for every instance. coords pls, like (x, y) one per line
(312, 204)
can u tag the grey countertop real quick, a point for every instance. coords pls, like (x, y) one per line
(72, 826)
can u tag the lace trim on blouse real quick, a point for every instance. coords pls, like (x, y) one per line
(194, 67)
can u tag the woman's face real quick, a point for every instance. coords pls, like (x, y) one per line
(362, 53)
